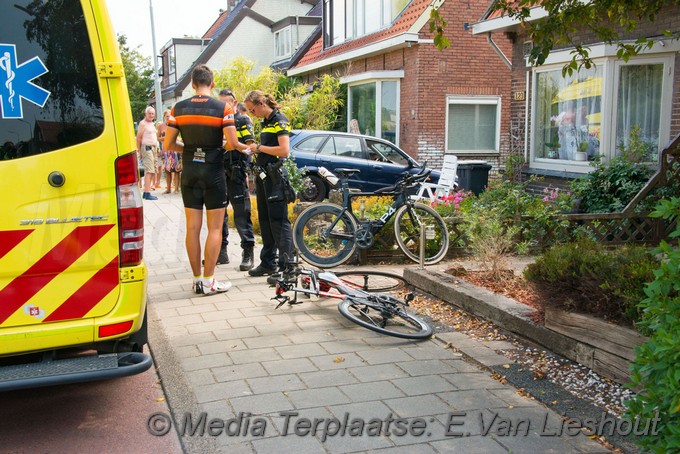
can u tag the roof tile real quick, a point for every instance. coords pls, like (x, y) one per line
(401, 25)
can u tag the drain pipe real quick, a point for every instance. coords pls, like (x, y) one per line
(500, 53)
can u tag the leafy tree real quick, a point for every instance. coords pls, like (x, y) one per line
(315, 110)
(323, 104)
(606, 19)
(239, 77)
(138, 75)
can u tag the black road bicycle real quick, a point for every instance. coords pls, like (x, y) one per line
(380, 312)
(327, 235)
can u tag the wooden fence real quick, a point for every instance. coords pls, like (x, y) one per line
(631, 226)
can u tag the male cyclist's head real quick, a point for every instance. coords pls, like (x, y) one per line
(202, 76)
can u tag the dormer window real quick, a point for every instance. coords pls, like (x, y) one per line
(282, 43)
(344, 20)
(171, 60)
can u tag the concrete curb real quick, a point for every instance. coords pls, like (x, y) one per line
(514, 317)
(176, 386)
(504, 312)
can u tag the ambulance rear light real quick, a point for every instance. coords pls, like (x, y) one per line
(133, 233)
(130, 212)
(115, 329)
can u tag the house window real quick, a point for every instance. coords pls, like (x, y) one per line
(638, 106)
(282, 43)
(375, 107)
(568, 114)
(472, 124)
(348, 19)
(596, 111)
(171, 60)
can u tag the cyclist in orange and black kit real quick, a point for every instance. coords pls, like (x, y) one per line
(203, 121)
(272, 203)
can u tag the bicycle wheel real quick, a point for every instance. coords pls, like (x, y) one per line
(384, 316)
(372, 281)
(407, 232)
(318, 245)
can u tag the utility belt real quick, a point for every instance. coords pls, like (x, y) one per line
(202, 155)
(281, 189)
(234, 158)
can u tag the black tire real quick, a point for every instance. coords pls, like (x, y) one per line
(324, 252)
(385, 318)
(407, 232)
(316, 192)
(372, 281)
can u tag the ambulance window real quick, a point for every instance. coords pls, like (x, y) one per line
(49, 96)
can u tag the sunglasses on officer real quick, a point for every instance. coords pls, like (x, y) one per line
(252, 109)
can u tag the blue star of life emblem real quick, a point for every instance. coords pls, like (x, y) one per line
(15, 82)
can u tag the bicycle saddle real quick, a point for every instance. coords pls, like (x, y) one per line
(346, 172)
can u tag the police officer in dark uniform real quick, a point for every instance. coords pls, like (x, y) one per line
(270, 183)
(235, 165)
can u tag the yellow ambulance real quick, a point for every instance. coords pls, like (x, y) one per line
(72, 276)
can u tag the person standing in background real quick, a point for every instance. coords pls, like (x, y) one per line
(170, 158)
(147, 148)
(272, 206)
(235, 165)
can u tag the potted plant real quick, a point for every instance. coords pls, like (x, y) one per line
(582, 153)
(552, 150)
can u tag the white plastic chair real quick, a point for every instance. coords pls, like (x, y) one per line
(446, 183)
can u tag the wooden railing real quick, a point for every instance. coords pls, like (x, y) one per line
(631, 225)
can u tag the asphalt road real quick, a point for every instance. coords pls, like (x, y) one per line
(103, 417)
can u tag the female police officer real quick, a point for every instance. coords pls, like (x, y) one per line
(272, 206)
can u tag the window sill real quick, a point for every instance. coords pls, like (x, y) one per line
(553, 173)
(473, 152)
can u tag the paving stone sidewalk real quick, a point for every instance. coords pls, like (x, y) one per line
(303, 378)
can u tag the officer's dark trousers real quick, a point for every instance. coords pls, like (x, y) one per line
(277, 234)
(239, 198)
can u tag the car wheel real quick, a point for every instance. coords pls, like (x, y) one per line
(316, 191)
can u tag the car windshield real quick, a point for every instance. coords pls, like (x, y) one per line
(382, 152)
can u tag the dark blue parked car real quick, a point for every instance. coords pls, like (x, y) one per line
(381, 163)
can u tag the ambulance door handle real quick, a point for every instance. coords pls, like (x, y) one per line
(56, 179)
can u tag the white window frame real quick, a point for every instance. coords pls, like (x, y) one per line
(287, 31)
(605, 56)
(376, 77)
(171, 60)
(355, 22)
(476, 100)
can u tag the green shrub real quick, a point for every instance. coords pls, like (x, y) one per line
(613, 184)
(585, 277)
(536, 217)
(489, 239)
(656, 369)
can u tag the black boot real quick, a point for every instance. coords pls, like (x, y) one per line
(247, 261)
(223, 258)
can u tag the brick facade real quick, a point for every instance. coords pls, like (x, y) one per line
(469, 67)
(668, 18)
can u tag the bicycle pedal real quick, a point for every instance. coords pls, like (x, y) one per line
(282, 300)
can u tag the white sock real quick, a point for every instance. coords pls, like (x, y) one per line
(207, 280)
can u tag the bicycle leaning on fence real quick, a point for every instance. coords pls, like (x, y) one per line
(380, 312)
(327, 235)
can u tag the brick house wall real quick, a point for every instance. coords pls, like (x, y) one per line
(668, 18)
(469, 67)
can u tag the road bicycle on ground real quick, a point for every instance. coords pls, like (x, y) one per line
(362, 298)
(327, 235)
